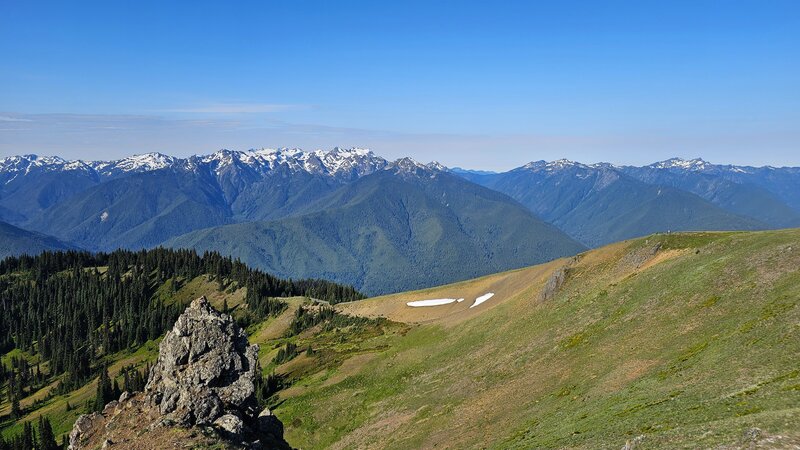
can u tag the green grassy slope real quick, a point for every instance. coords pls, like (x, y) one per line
(688, 339)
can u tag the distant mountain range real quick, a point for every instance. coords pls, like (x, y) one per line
(601, 203)
(352, 216)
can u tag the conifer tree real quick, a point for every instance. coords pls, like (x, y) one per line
(16, 410)
(104, 391)
(27, 437)
(47, 440)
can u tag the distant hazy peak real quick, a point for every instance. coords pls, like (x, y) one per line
(461, 170)
(696, 164)
(136, 163)
(26, 163)
(409, 167)
(550, 166)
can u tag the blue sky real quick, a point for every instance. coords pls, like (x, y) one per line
(488, 85)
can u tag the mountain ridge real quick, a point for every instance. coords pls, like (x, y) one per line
(149, 200)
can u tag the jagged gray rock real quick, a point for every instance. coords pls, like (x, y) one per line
(557, 279)
(638, 257)
(82, 426)
(204, 377)
(205, 368)
(553, 283)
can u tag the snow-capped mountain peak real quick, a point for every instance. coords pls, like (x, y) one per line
(13, 166)
(353, 162)
(407, 164)
(559, 164)
(696, 164)
(341, 163)
(137, 163)
(562, 163)
(437, 166)
(409, 167)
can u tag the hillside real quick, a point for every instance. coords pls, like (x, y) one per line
(684, 340)
(138, 211)
(16, 241)
(392, 231)
(70, 317)
(672, 341)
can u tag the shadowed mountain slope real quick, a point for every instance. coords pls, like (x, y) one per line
(394, 230)
(598, 204)
(16, 241)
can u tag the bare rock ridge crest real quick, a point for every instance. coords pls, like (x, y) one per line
(201, 388)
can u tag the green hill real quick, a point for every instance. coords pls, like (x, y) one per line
(677, 341)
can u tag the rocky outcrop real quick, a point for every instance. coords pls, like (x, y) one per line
(639, 257)
(201, 383)
(557, 279)
(205, 369)
(553, 283)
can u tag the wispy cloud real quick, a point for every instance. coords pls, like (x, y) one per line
(13, 119)
(108, 136)
(237, 108)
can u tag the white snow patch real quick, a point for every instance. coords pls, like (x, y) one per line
(460, 300)
(482, 299)
(434, 302)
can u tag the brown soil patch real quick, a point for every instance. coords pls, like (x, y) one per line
(505, 286)
(276, 328)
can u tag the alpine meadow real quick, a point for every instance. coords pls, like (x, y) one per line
(416, 225)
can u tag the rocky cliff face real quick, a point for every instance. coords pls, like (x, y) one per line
(200, 391)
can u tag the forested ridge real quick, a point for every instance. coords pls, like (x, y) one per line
(72, 309)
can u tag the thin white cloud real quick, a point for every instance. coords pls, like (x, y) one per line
(98, 136)
(237, 108)
(13, 119)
